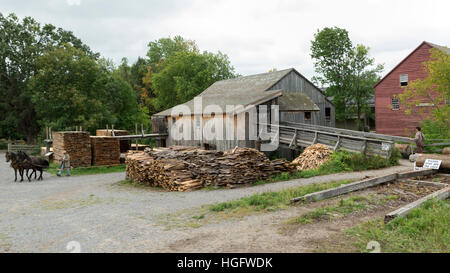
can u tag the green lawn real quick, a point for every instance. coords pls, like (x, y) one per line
(54, 168)
(426, 229)
(270, 201)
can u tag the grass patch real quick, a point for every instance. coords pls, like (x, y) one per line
(425, 229)
(54, 168)
(342, 208)
(270, 201)
(341, 161)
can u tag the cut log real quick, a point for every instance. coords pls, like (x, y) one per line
(404, 211)
(445, 165)
(446, 151)
(405, 149)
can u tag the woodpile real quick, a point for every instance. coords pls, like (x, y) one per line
(77, 145)
(186, 168)
(105, 151)
(124, 144)
(313, 157)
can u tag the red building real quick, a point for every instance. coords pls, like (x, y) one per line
(390, 117)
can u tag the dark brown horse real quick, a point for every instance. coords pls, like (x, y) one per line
(33, 163)
(15, 164)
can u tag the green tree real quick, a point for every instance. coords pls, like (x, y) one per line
(331, 50)
(363, 77)
(433, 90)
(186, 74)
(21, 42)
(69, 90)
(349, 72)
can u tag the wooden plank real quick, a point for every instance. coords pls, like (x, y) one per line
(404, 211)
(352, 132)
(410, 174)
(425, 183)
(355, 186)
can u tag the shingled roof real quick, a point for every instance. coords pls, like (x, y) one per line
(245, 91)
(296, 102)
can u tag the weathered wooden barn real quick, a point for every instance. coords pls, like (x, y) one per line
(390, 116)
(298, 99)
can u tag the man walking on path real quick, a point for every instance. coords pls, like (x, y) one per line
(420, 140)
(65, 164)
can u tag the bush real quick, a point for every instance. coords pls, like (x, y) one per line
(3, 144)
(435, 129)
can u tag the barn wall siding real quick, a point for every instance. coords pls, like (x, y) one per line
(397, 122)
(295, 83)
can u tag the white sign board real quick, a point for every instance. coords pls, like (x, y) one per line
(432, 164)
(385, 146)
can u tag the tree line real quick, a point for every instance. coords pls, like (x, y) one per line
(49, 77)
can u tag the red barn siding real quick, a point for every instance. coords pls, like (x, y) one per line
(396, 122)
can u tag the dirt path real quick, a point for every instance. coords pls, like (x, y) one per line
(105, 217)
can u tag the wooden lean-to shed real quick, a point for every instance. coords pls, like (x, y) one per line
(298, 99)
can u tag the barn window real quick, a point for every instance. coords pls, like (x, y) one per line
(404, 80)
(174, 120)
(328, 113)
(307, 115)
(395, 104)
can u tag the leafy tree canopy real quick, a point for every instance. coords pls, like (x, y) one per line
(433, 90)
(348, 71)
(21, 42)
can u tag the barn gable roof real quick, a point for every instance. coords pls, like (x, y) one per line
(443, 48)
(247, 90)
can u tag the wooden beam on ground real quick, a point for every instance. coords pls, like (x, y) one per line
(411, 174)
(425, 183)
(355, 186)
(404, 211)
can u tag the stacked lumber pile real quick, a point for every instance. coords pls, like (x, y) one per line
(105, 150)
(124, 144)
(186, 168)
(77, 145)
(313, 157)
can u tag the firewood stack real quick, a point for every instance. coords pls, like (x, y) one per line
(313, 157)
(124, 144)
(77, 145)
(185, 168)
(105, 150)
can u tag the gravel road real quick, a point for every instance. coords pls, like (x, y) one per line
(103, 216)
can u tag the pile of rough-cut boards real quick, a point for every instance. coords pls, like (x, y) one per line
(77, 145)
(105, 150)
(313, 157)
(186, 168)
(124, 144)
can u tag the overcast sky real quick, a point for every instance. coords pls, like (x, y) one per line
(256, 35)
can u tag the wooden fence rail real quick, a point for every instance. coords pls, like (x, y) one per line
(23, 147)
(295, 136)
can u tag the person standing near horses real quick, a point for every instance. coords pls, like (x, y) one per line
(65, 164)
(420, 140)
